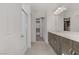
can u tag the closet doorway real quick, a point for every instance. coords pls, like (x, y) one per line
(40, 29)
(67, 24)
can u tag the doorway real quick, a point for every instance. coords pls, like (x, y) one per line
(40, 29)
(67, 24)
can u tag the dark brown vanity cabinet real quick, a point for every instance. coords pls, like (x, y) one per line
(66, 46)
(55, 43)
(63, 45)
(58, 47)
(51, 40)
(75, 48)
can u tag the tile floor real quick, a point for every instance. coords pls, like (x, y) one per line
(40, 48)
(39, 39)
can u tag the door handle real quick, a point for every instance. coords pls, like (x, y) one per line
(22, 36)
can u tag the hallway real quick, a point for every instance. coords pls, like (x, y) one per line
(40, 48)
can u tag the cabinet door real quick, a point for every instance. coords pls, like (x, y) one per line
(66, 46)
(51, 39)
(76, 47)
(59, 42)
(56, 43)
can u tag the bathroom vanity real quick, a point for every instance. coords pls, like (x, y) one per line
(64, 42)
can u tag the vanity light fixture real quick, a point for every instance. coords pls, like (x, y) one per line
(59, 10)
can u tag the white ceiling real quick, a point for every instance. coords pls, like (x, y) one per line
(43, 6)
(47, 6)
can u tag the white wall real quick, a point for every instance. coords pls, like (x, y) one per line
(54, 22)
(74, 23)
(59, 23)
(73, 12)
(33, 29)
(45, 29)
(50, 23)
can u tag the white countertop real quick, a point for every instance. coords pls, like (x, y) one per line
(70, 35)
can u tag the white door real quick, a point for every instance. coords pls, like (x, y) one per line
(24, 28)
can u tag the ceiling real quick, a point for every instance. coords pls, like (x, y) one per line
(43, 6)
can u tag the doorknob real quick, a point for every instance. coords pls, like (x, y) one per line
(22, 36)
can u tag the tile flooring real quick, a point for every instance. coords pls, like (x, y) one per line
(40, 48)
(39, 39)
